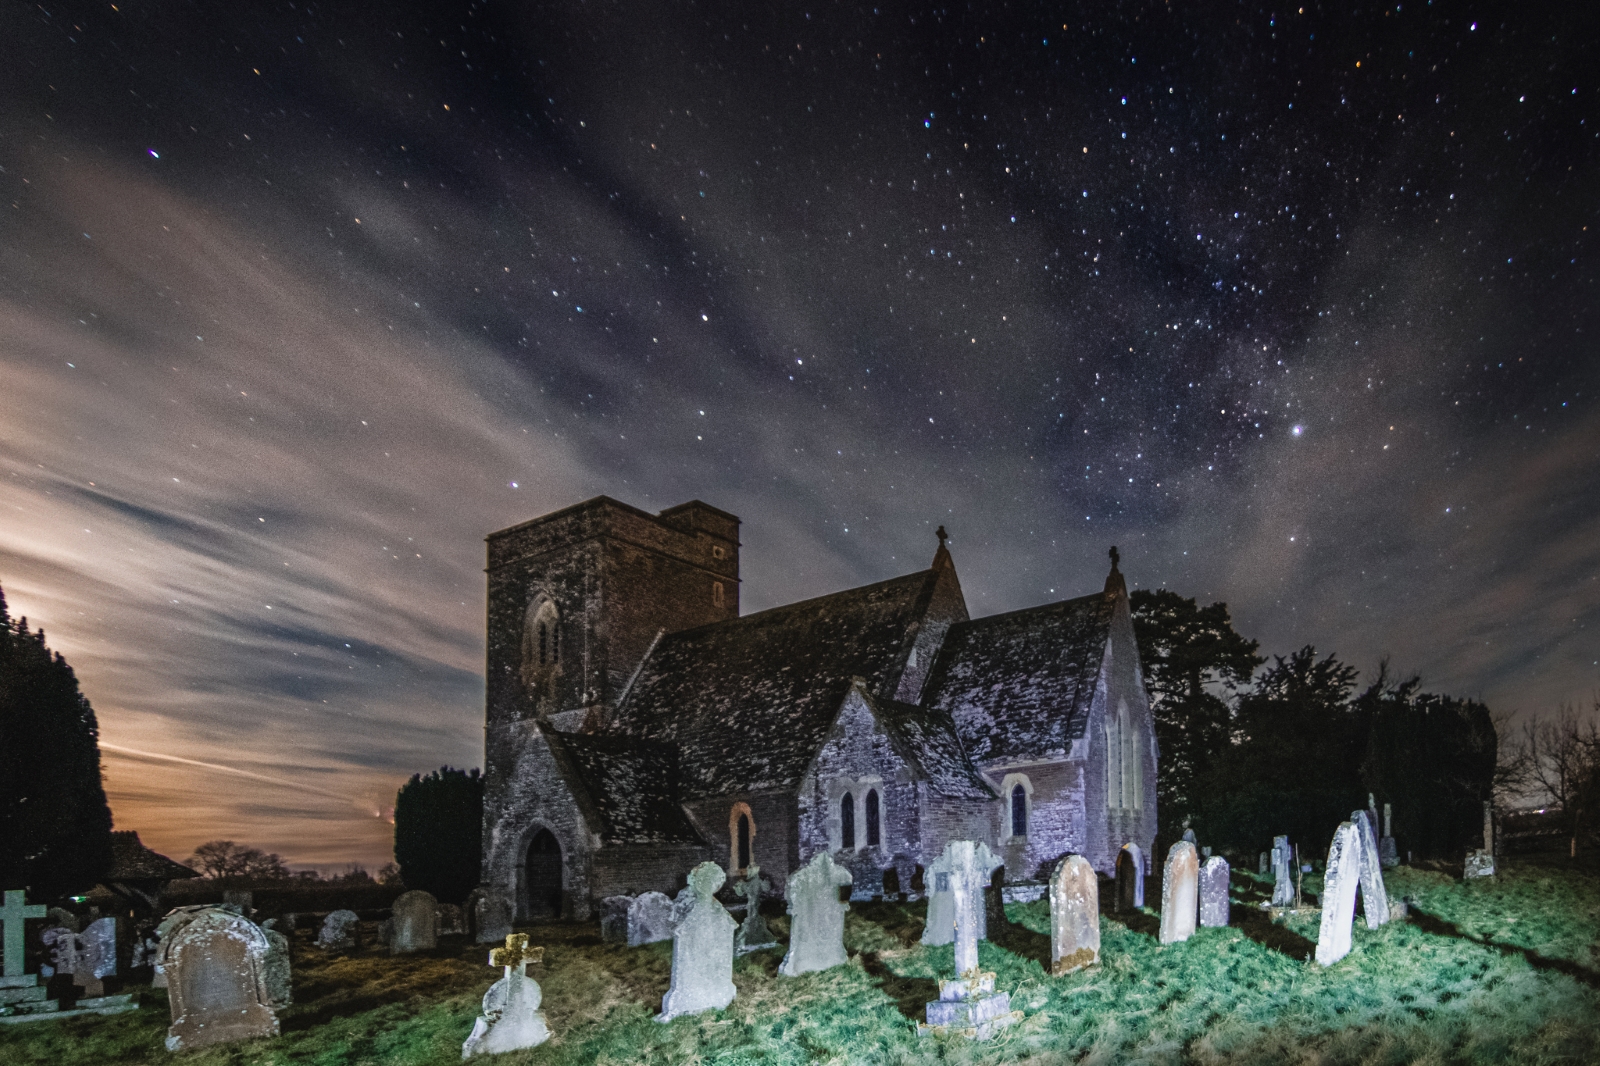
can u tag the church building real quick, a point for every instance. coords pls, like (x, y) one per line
(637, 724)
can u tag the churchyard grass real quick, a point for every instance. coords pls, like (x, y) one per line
(1494, 971)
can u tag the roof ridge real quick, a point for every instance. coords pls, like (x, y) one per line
(772, 612)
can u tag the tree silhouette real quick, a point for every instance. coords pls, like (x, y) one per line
(438, 832)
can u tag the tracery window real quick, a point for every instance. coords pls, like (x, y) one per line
(873, 833)
(1019, 811)
(847, 821)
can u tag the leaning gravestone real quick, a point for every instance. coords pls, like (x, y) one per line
(1282, 875)
(1339, 885)
(511, 1016)
(416, 923)
(1074, 916)
(753, 933)
(702, 950)
(97, 956)
(1179, 892)
(816, 926)
(338, 931)
(216, 982)
(1130, 878)
(1214, 892)
(614, 919)
(1374, 897)
(649, 919)
(939, 924)
(969, 1004)
(492, 915)
(275, 969)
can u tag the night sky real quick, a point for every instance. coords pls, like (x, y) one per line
(1296, 306)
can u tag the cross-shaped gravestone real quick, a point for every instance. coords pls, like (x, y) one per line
(13, 914)
(516, 955)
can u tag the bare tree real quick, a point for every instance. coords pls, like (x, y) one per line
(225, 860)
(1559, 757)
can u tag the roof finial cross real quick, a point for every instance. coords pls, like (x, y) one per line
(1115, 558)
(942, 535)
(516, 955)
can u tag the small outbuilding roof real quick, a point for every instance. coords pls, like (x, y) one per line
(132, 861)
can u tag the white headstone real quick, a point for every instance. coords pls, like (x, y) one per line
(1214, 892)
(816, 927)
(1074, 916)
(939, 925)
(969, 1003)
(1374, 897)
(1179, 893)
(970, 866)
(1339, 884)
(702, 950)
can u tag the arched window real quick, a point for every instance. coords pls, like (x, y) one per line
(847, 821)
(741, 837)
(873, 834)
(1124, 765)
(744, 841)
(1019, 811)
(1016, 810)
(541, 637)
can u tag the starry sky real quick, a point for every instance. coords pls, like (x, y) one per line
(1296, 306)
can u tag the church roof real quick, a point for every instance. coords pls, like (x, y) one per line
(631, 787)
(748, 701)
(132, 861)
(1019, 685)
(926, 737)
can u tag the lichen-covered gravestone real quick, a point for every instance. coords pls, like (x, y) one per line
(1074, 916)
(511, 1016)
(816, 925)
(1130, 878)
(969, 1004)
(492, 914)
(753, 933)
(338, 931)
(1179, 893)
(1282, 874)
(89, 956)
(1374, 897)
(702, 950)
(416, 923)
(1339, 884)
(1214, 892)
(939, 924)
(614, 919)
(649, 919)
(216, 981)
(275, 968)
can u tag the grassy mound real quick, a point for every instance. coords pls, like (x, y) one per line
(1500, 971)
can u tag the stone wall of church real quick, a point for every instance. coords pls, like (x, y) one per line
(524, 792)
(629, 871)
(773, 842)
(947, 818)
(1110, 822)
(1055, 816)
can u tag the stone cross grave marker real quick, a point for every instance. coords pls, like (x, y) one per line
(1179, 893)
(1282, 875)
(1130, 878)
(416, 923)
(969, 1004)
(753, 933)
(1074, 916)
(216, 981)
(702, 950)
(1374, 896)
(1339, 883)
(649, 919)
(511, 1017)
(15, 912)
(970, 867)
(23, 997)
(816, 926)
(1214, 892)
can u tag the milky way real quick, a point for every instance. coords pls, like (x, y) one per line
(1295, 306)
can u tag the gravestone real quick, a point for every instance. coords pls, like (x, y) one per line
(1388, 854)
(492, 914)
(276, 973)
(338, 931)
(649, 919)
(995, 922)
(416, 923)
(1188, 834)
(1179, 893)
(1130, 878)
(1374, 897)
(1214, 892)
(753, 934)
(1339, 886)
(816, 923)
(939, 924)
(1282, 874)
(702, 950)
(969, 1004)
(216, 981)
(23, 997)
(614, 919)
(386, 931)
(1266, 863)
(452, 922)
(244, 901)
(511, 1017)
(61, 918)
(97, 956)
(1479, 864)
(1074, 916)
(682, 903)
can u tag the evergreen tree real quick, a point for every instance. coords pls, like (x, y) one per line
(55, 825)
(438, 832)
(1194, 661)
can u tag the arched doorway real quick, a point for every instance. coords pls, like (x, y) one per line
(544, 875)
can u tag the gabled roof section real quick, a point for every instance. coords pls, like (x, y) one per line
(631, 787)
(926, 737)
(749, 701)
(1018, 686)
(132, 861)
